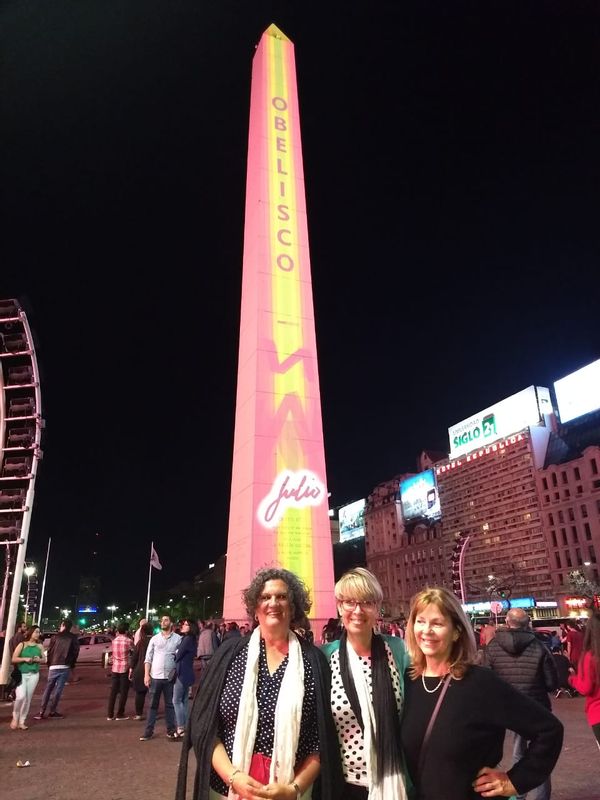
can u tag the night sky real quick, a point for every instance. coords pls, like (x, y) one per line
(452, 166)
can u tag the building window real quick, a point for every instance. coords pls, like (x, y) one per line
(558, 564)
(594, 466)
(554, 542)
(588, 531)
(579, 489)
(561, 579)
(574, 538)
(567, 494)
(551, 519)
(577, 474)
(554, 481)
(584, 511)
(561, 516)
(571, 514)
(592, 553)
(563, 532)
(578, 556)
(568, 558)
(563, 475)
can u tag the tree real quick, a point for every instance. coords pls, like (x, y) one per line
(581, 585)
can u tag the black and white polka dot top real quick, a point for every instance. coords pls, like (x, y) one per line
(267, 692)
(349, 733)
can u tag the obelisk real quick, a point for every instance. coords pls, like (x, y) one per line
(278, 510)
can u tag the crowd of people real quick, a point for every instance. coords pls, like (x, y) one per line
(418, 710)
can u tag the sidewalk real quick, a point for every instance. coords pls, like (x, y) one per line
(83, 755)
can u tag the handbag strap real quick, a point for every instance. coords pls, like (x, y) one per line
(436, 710)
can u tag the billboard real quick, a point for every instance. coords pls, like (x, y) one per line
(352, 521)
(518, 411)
(420, 498)
(579, 392)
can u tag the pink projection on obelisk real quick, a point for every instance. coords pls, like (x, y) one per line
(279, 509)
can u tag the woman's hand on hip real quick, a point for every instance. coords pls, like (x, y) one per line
(493, 783)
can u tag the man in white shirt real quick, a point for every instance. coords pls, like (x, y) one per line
(159, 677)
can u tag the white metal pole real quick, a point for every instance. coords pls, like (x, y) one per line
(41, 605)
(149, 580)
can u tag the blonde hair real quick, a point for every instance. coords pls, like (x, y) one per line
(464, 649)
(358, 584)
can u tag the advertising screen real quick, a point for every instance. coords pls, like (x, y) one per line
(352, 521)
(579, 392)
(420, 498)
(496, 422)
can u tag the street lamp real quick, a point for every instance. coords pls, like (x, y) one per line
(204, 599)
(29, 571)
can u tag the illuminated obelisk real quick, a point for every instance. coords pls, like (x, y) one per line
(279, 509)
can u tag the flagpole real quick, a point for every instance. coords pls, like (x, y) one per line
(149, 579)
(41, 606)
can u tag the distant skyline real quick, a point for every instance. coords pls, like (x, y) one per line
(452, 173)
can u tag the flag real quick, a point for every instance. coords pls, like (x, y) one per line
(154, 562)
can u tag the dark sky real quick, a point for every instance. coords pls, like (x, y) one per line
(452, 167)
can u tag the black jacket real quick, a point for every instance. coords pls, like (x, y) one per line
(201, 731)
(64, 649)
(522, 660)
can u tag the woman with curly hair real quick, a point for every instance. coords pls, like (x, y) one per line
(457, 713)
(260, 725)
(587, 678)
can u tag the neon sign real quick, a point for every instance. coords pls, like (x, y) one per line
(278, 510)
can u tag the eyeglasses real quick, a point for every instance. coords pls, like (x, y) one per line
(366, 605)
(266, 598)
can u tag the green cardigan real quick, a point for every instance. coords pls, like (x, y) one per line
(395, 644)
(402, 660)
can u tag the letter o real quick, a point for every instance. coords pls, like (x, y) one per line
(288, 261)
(279, 103)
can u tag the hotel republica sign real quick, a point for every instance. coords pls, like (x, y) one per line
(278, 509)
(517, 412)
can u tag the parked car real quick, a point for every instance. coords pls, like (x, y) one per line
(93, 647)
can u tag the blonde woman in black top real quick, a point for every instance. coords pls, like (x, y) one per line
(458, 760)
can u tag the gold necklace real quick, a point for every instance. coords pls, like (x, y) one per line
(431, 691)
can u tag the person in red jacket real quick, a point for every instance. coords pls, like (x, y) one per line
(587, 678)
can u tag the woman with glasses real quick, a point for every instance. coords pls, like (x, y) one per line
(184, 673)
(261, 726)
(367, 689)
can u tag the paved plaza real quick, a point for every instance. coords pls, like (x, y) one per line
(83, 755)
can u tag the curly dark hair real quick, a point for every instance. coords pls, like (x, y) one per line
(298, 595)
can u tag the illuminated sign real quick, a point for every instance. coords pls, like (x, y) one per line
(577, 602)
(420, 498)
(497, 422)
(279, 511)
(579, 392)
(87, 610)
(352, 521)
(498, 447)
(546, 604)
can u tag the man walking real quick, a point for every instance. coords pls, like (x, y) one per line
(518, 657)
(62, 656)
(121, 648)
(159, 677)
(207, 644)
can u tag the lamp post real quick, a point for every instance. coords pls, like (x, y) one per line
(29, 572)
(204, 599)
